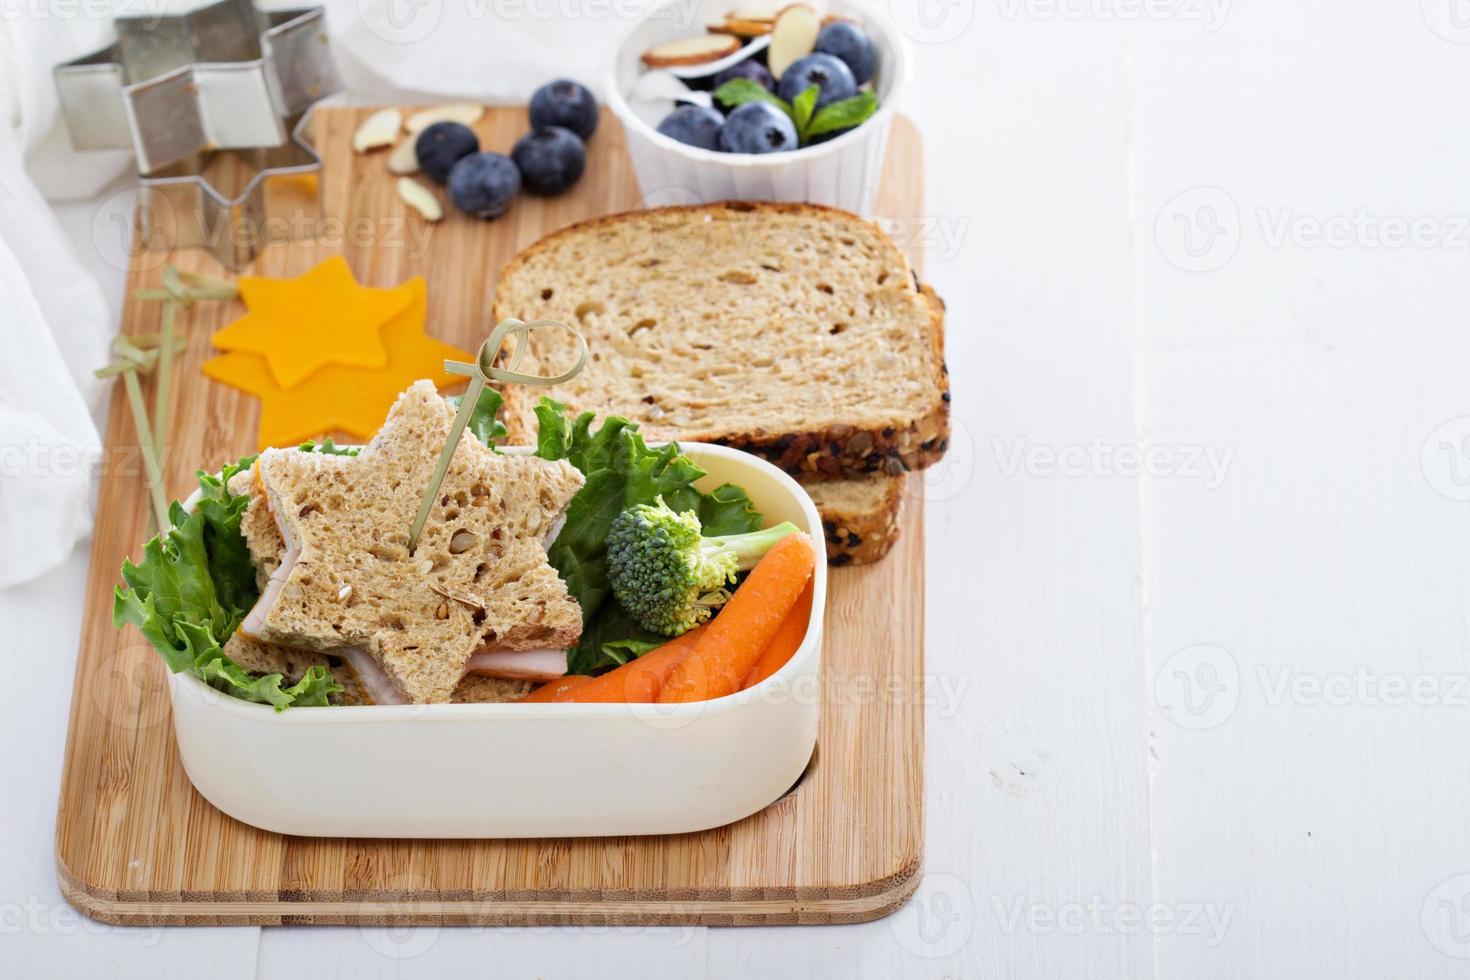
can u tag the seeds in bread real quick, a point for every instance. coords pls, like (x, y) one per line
(792, 331)
(263, 539)
(859, 516)
(475, 689)
(479, 576)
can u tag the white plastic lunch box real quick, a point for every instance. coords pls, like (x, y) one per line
(842, 173)
(519, 770)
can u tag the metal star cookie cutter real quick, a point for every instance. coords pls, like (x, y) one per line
(219, 77)
(233, 203)
(214, 103)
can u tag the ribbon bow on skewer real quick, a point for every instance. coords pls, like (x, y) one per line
(481, 373)
(149, 353)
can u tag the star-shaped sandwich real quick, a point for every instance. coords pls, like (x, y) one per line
(343, 399)
(302, 325)
(479, 579)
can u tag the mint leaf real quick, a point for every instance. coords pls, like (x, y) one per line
(802, 108)
(738, 91)
(843, 115)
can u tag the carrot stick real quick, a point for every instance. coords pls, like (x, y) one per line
(548, 691)
(729, 649)
(637, 681)
(783, 645)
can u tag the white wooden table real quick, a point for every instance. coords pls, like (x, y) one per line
(1197, 595)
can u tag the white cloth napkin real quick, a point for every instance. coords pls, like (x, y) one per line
(53, 318)
(54, 323)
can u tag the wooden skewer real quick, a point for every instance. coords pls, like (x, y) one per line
(147, 352)
(481, 373)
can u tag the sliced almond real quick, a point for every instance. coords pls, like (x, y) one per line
(405, 158)
(379, 129)
(763, 12)
(742, 28)
(692, 51)
(463, 113)
(793, 37)
(420, 198)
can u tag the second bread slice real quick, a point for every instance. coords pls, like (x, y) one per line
(796, 332)
(859, 516)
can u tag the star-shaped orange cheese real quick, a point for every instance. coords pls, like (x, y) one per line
(347, 400)
(321, 318)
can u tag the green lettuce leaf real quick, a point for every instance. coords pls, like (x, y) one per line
(194, 586)
(483, 421)
(611, 640)
(327, 446)
(620, 471)
(230, 567)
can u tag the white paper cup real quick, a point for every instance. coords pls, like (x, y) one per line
(842, 173)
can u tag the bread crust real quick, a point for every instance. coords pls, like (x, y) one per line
(832, 451)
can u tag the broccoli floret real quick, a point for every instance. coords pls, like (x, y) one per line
(667, 575)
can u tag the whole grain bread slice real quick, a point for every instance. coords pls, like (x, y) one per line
(796, 332)
(259, 657)
(479, 576)
(475, 689)
(859, 515)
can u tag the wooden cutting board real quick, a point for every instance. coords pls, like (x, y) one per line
(136, 844)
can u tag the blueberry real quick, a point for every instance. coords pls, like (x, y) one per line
(441, 146)
(829, 74)
(567, 104)
(844, 39)
(758, 127)
(484, 184)
(551, 160)
(694, 125)
(753, 70)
